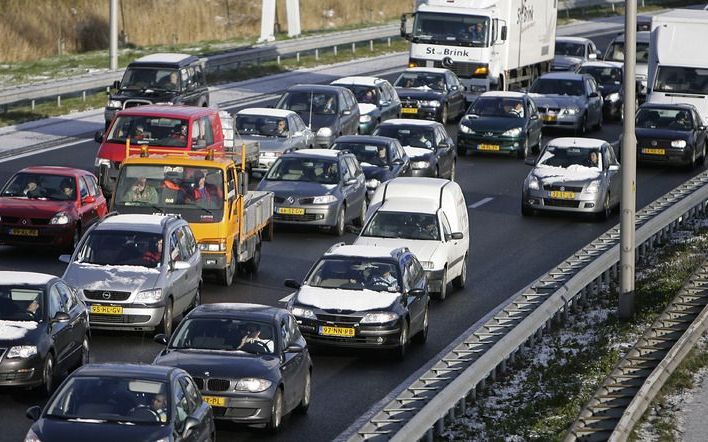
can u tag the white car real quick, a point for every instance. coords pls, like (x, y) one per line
(377, 100)
(429, 216)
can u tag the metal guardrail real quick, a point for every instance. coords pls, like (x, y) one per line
(442, 391)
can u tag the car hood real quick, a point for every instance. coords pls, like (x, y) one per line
(267, 143)
(341, 299)
(107, 277)
(572, 175)
(610, 88)
(566, 61)
(381, 173)
(662, 133)
(34, 208)
(19, 333)
(495, 124)
(417, 153)
(548, 100)
(419, 94)
(225, 364)
(285, 189)
(51, 430)
(367, 108)
(318, 120)
(423, 250)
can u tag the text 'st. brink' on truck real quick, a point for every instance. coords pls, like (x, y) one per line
(678, 69)
(489, 44)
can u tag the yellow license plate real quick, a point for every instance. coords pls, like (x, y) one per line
(345, 332)
(215, 401)
(107, 309)
(550, 118)
(24, 232)
(654, 151)
(563, 195)
(409, 110)
(290, 211)
(492, 147)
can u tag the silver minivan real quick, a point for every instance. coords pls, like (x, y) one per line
(136, 272)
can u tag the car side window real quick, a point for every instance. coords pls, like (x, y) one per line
(610, 153)
(198, 76)
(294, 330)
(532, 108)
(181, 405)
(184, 244)
(190, 241)
(344, 171)
(417, 272)
(445, 223)
(399, 148)
(353, 165)
(439, 137)
(175, 252)
(67, 299)
(285, 334)
(406, 272)
(191, 393)
(55, 302)
(91, 185)
(83, 188)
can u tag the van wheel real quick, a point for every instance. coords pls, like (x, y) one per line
(442, 294)
(166, 324)
(251, 266)
(460, 282)
(227, 275)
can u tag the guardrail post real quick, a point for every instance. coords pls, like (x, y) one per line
(388, 41)
(297, 57)
(277, 59)
(32, 106)
(58, 100)
(371, 45)
(440, 426)
(335, 50)
(462, 406)
(353, 48)
(83, 96)
(317, 54)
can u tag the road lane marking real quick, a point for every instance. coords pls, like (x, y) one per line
(480, 202)
(39, 151)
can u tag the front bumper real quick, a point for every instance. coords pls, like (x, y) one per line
(581, 203)
(47, 235)
(676, 156)
(494, 144)
(435, 279)
(213, 261)
(423, 113)
(365, 336)
(244, 408)
(314, 214)
(21, 372)
(324, 142)
(135, 317)
(562, 121)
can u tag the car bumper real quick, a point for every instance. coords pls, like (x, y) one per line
(562, 122)
(324, 142)
(52, 235)
(314, 215)
(435, 278)
(427, 172)
(365, 336)
(424, 113)
(213, 261)
(671, 156)
(245, 409)
(134, 317)
(477, 143)
(367, 128)
(582, 203)
(21, 372)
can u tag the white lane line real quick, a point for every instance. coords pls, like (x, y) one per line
(287, 298)
(39, 151)
(480, 202)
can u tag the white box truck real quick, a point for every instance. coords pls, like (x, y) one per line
(489, 44)
(678, 67)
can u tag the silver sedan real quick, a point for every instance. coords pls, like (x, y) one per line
(573, 175)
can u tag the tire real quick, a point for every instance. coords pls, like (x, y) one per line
(197, 299)
(452, 171)
(251, 266)
(402, 348)
(338, 228)
(226, 276)
(461, 280)
(167, 319)
(422, 336)
(606, 208)
(443, 286)
(304, 404)
(359, 221)
(437, 172)
(598, 126)
(444, 115)
(49, 377)
(582, 129)
(526, 210)
(276, 413)
(461, 150)
(702, 159)
(524, 151)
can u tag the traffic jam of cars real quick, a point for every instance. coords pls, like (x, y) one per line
(168, 210)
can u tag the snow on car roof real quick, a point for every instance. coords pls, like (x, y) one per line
(332, 153)
(503, 94)
(365, 251)
(418, 204)
(267, 111)
(363, 81)
(20, 278)
(408, 122)
(151, 223)
(572, 39)
(424, 69)
(163, 57)
(577, 142)
(602, 64)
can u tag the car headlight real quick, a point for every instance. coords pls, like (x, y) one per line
(212, 246)
(593, 187)
(373, 183)
(101, 161)
(430, 103)
(324, 132)
(678, 143)
(466, 129)
(60, 218)
(21, 351)
(324, 199)
(148, 296)
(427, 265)
(570, 110)
(252, 385)
(614, 96)
(301, 312)
(32, 437)
(378, 318)
(115, 103)
(365, 119)
(515, 132)
(271, 154)
(533, 183)
(420, 164)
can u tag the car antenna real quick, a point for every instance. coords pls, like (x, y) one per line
(312, 97)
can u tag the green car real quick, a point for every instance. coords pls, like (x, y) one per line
(500, 122)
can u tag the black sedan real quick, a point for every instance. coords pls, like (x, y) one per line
(670, 133)
(381, 158)
(430, 94)
(609, 77)
(431, 150)
(124, 402)
(43, 330)
(250, 361)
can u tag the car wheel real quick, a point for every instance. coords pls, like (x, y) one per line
(422, 335)
(338, 228)
(702, 159)
(251, 266)
(582, 128)
(437, 172)
(197, 299)
(443, 286)
(598, 126)
(306, 394)
(276, 412)
(606, 208)
(526, 210)
(76, 237)
(402, 348)
(452, 171)
(166, 323)
(460, 282)
(227, 275)
(524, 151)
(444, 115)
(48, 375)
(359, 221)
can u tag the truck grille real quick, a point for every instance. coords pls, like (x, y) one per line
(462, 69)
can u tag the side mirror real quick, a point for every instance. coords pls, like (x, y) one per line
(533, 117)
(443, 145)
(351, 182)
(180, 265)
(416, 292)
(61, 317)
(66, 259)
(98, 136)
(295, 348)
(384, 103)
(592, 56)
(189, 425)
(34, 412)
(346, 112)
(701, 128)
(454, 236)
(593, 95)
(530, 161)
(88, 200)
(613, 168)
(454, 88)
(291, 283)
(503, 33)
(397, 162)
(160, 338)
(116, 84)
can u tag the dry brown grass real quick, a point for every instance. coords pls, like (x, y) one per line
(32, 29)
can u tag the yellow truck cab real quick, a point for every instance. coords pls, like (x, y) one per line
(209, 191)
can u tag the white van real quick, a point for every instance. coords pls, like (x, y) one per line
(429, 216)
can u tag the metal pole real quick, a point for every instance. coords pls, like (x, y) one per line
(113, 37)
(629, 166)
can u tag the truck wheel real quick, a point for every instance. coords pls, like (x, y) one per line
(267, 234)
(251, 266)
(227, 275)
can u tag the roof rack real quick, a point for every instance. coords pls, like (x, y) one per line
(208, 154)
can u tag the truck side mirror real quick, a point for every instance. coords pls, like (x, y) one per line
(407, 33)
(116, 84)
(502, 37)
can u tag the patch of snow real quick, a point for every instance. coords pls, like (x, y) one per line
(572, 172)
(357, 300)
(416, 151)
(13, 330)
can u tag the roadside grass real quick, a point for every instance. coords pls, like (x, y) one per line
(23, 114)
(552, 381)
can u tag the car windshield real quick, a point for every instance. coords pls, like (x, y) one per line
(41, 186)
(151, 131)
(498, 107)
(658, 118)
(363, 94)
(225, 334)
(682, 80)
(615, 52)
(150, 78)
(355, 273)
(23, 303)
(263, 125)
(196, 193)
(451, 29)
(367, 154)
(556, 86)
(570, 49)
(315, 170)
(414, 136)
(321, 103)
(126, 248)
(112, 399)
(421, 80)
(404, 225)
(602, 74)
(565, 157)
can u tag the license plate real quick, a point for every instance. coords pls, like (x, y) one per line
(215, 401)
(345, 332)
(562, 195)
(550, 118)
(492, 147)
(290, 211)
(409, 110)
(24, 232)
(654, 151)
(107, 309)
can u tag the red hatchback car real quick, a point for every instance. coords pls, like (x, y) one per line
(49, 206)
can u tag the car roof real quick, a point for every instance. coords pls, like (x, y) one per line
(358, 80)
(166, 58)
(315, 88)
(577, 142)
(408, 122)
(168, 111)
(236, 310)
(572, 39)
(562, 76)
(267, 111)
(363, 139)
(136, 222)
(55, 170)
(121, 370)
(683, 106)
(361, 251)
(25, 278)
(425, 69)
(329, 153)
(503, 94)
(603, 64)
(642, 37)
(411, 204)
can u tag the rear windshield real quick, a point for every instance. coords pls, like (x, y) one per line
(151, 131)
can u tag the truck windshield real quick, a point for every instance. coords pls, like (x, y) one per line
(615, 52)
(684, 80)
(150, 78)
(196, 193)
(147, 130)
(451, 29)
(404, 225)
